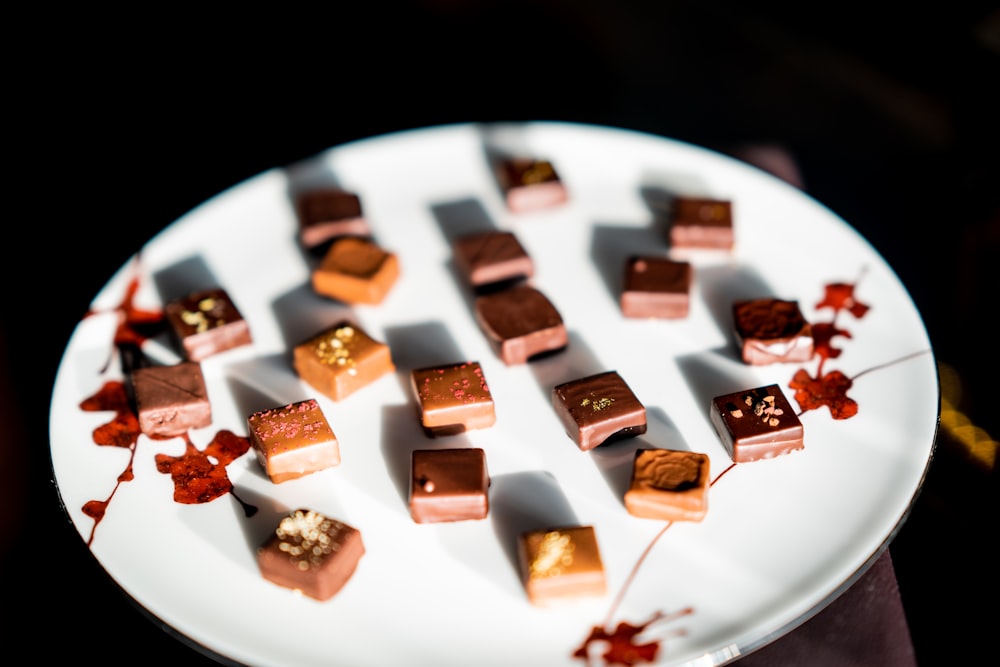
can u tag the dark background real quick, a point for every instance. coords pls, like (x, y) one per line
(130, 121)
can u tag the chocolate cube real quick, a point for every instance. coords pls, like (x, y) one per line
(598, 409)
(561, 565)
(340, 360)
(171, 399)
(356, 271)
(449, 485)
(530, 184)
(668, 485)
(769, 331)
(328, 213)
(486, 258)
(520, 322)
(453, 398)
(656, 287)
(311, 553)
(293, 440)
(756, 424)
(701, 222)
(207, 322)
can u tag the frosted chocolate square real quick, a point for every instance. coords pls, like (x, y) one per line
(340, 360)
(453, 398)
(207, 322)
(293, 440)
(311, 553)
(656, 287)
(449, 485)
(756, 424)
(598, 409)
(356, 271)
(520, 322)
(530, 184)
(560, 565)
(171, 399)
(668, 485)
(328, 213)
(490, 257)
(701, 222)
(772, 331)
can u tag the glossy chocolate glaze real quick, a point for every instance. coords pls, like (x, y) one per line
(599, 408)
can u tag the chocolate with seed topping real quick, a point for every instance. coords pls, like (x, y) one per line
(756, 424)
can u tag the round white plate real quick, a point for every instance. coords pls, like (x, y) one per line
(782, 537)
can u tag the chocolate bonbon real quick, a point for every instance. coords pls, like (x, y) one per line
(490, 257)
(769, 331)
(356, 271)
(668, 485)
(293, 440)
(701, 223)
(561, 564)
(449, 485)
(520, 322)
(341, 359)
(599, 408)
(207, 322)
(311, 553)
(453, 398)
(756, 423)
(656, 287)
(328, 213)
(171, 399)
(530, 184)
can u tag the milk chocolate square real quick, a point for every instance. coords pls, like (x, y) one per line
(171, 399)
(530, 184)
(327, 213)
(341, 359)
(356, 271)
(668, 485)
(207, 322)
(598, 409)
(453, 398)
(560, 565)
(490, 257)
(756, 424)
(311, 553)
(701, 222)
(772, 331)
(293, 440)
(656, 287)
(449, 485)
(520, 323)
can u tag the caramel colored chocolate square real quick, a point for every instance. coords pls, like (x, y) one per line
(669, 485)
(702, 222)
(171, 399)
(561, 565)
(520, 322)
(311, 553)
(486, 258)
(772, 331)
(356, 271)
(328, 213)
(598, 409)
(207, 322)
(530, 184)
(453, 398)
(293, 440)
(449, 485)
(756, 424)
(341, 360)
(656, 287)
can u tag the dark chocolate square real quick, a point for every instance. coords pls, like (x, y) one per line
(756, 424)
(598, 409)
(521, 323)
(485, 258)
(656, 287)
(207, 322)
(171, 399)
(701, 222)
(530, 184)
(769, 331)
(449, 485)
(328, 213)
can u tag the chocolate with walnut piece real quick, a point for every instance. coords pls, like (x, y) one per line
(756, 424)
(599, 408)
(449, 485)
(311, 553)
(207, 322)
(293, 440)
(520, 323)
(772, 331)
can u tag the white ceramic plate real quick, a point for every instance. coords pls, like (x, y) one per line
(781, 539)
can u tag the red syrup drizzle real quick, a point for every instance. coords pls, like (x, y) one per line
(811, 393)
(199, 476)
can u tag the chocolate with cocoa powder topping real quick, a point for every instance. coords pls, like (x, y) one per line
(771, 331)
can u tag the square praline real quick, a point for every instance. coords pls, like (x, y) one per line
(656, 287)
(293, 440)
(520, 322)
(449, 485)
(341, 359)
(756, 424)
(328, 213)
(453, 398)
(530, 184)
(207, 322)
(356, 271)
(560, 565)
(171, 399)
(311, 553)
(701, 223)
(490, 257)
(599, 408)
(669, 485)
(769, 331)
